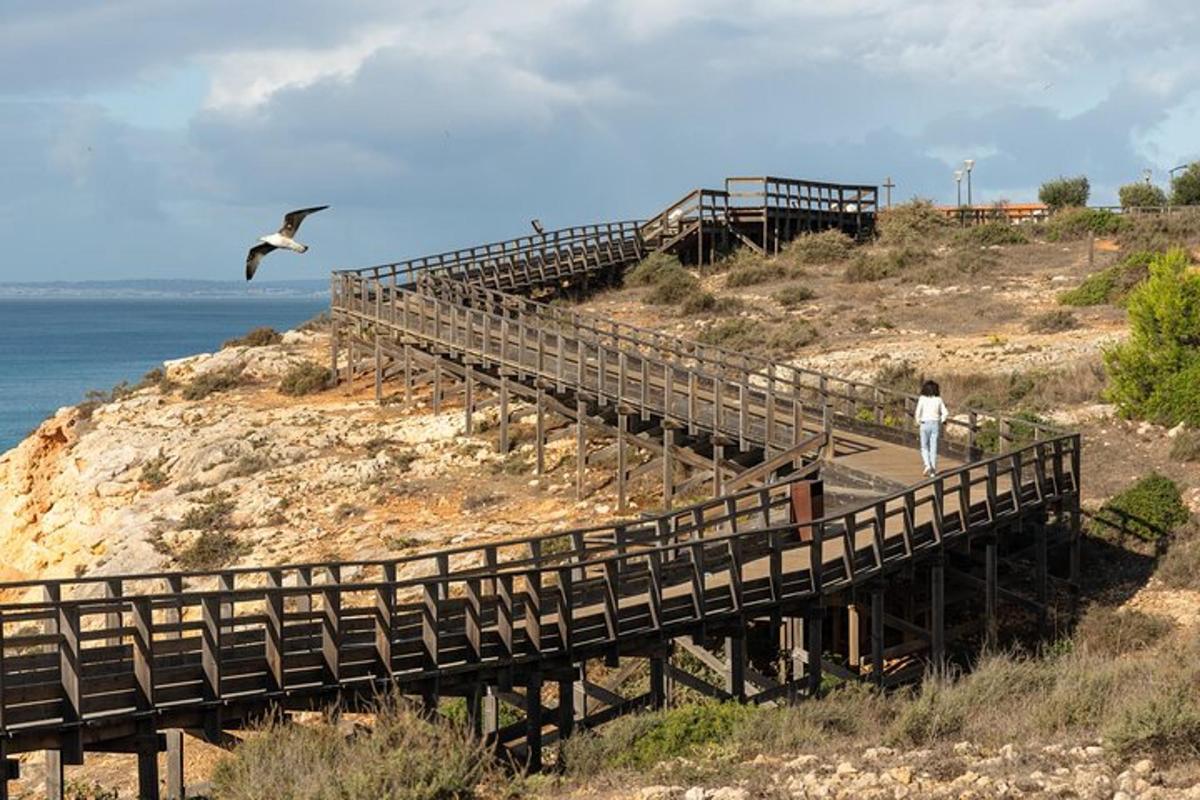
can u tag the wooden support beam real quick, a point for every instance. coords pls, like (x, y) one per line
(991, 625)
(533, 720)
(469, 403)
(668, 465)
(540, 432)
(622, 461)
(378, 371)
(877, 634)
(937, 608)
(565, 713)
(580, 447)
(175, 779)
(735, 667)
(814, 617)
(55, 778)
(504, 442)
(853, 635)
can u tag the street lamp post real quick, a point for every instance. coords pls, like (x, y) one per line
(958, 175)
(969, 165)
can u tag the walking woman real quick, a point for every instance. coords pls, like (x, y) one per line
(931, 415)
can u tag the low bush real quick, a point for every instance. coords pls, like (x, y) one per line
(791, 335)
(305, 378)
(210, 550)
(792, 296)
(992, 233)
(401, 757)
(1166, 726)
(826, 247)
(1114, 632)
(754, 274)
(1179, 567)
(211, 512)
(649, 269)
(213, 381)
(318, 323)
(1111, 285)
(1065, 192)
(1052, 322)
(156, 378)
(917, 223)
(877, 266)
(1161, 232)
(259, 337)
(1141, 194)
(708, 303)
(1186, 446)
(1076, 223)
(1150, 509)
(738, 333)
(154, 474)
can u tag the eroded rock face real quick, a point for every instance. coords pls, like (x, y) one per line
(330, 475)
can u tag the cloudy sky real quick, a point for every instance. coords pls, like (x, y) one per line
(164, 137)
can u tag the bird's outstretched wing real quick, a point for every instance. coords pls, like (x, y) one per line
(256, 255)
(292, 219)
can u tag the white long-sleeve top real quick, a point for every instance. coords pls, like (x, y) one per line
(930, 409)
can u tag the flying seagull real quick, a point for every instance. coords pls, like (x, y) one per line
(281, 239)
(537, 225)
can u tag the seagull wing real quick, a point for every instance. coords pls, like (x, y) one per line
(292, 219)
(256, 255)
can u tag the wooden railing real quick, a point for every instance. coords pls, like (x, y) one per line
(192, 656)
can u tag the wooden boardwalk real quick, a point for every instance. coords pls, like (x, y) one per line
(759, 582)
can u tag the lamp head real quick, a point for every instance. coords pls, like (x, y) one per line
(958, 173)
(969, 164)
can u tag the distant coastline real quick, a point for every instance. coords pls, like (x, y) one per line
(159, 289)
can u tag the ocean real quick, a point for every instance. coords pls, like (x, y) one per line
(52, 351)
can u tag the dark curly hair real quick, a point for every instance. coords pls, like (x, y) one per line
(930, 389)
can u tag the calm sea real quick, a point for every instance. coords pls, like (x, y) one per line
(53, 351)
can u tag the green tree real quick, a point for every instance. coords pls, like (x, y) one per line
(1155, 373)
(1185, 187)
(1139, 194)
(1065, 192)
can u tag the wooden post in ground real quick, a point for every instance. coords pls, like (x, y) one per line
(147, 768)
(175, 784)
(503, 445)
(533, 720)
(378, 370)
(566, 712)
(814, 618)
(622, 460)
(540, 432)
(718, 458)
(580, 447)
(937, 613)
(659, 695)
(334, 342)
(991, 629)
(1041, 579)
(55, 782)
(735, 670)
(877, 599)
(408, 376)
(437, 386)
(469, 403)
(853, 635)
(668, 464)
(490, 713)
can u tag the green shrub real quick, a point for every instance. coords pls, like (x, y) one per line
(402, 757)
(1076, 223)
(158, 379)
(640, 741)
(1065, 192)
(319, 323)
(1053, 322)
(1155, 373)
(917, 223)
(1114, 632)
(754, 274)
(1185, 187)
(1150, 509)
(1141, 195)
(259, 337)
(648, 270)
(213, 381)
(1111, 285)
(305, 378)
(792, 296)
(900, 376)
(1186, 446)
(992, 233)
(826, 247)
